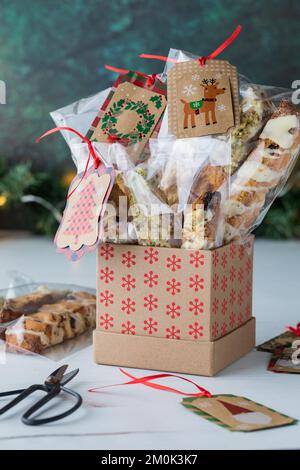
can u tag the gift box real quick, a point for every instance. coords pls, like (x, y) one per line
(173, 309)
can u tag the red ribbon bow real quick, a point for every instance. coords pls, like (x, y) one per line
(202, 60)
(295, 330)
(92, 152)
(147, 380)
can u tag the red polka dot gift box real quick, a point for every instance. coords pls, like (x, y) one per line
(174, 309)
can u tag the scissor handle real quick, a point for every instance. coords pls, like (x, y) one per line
(22, 394)
(51, 394)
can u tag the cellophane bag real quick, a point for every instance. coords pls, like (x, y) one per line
(211, 189)
(264, 150)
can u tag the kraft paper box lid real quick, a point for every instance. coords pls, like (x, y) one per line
(190, 357)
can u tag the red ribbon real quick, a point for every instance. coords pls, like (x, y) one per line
(147, 380)
(295, 330)
(202, 60)
(92, 152)
(150, 78)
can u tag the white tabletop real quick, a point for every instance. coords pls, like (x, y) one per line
(137, 417)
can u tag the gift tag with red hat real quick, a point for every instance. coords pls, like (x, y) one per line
(237, 413)
(232, 412)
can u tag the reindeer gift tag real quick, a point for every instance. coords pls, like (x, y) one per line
(202, 99)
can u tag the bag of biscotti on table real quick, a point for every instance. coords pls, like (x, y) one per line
(50, 319)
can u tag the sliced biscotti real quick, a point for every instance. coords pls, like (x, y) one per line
(11, 309)
(52, 324)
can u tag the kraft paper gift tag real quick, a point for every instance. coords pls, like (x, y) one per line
(202, 99)
(81, 223)
(284, 340)
(131, 113)
(237, 413)
(286, 360)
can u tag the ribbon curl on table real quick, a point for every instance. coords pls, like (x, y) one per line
(97, 160)
(147, 380)
(202, 60)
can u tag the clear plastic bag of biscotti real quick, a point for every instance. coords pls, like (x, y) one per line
(191, 178)
(49, 319)
(264, 149)
(148, 214)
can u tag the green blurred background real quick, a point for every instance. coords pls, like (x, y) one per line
(52, 53)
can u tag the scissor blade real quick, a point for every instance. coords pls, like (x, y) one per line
(68, 377)
(57, 375)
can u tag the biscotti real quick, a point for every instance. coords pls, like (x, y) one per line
(263, 173)
(52, 324)
(11, 309)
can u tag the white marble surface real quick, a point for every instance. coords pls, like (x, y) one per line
(136, 417)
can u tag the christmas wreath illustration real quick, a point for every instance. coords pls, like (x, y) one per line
(142, 128)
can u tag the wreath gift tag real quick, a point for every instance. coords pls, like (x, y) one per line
(203, 99)
(131, 112)
(81, 224)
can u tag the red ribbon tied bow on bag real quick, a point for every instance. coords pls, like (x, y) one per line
(92, 152)
(203, 59)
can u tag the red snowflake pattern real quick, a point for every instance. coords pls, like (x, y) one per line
(196, 283)
(232, 319)
(215, 329)
(197, 259)
(173, 263)
(150, 302)
(232, 273)
(173, 332)
(106, 298)
(249, 265)
(106, 321)
(240, 297)
(224, 283)
(224, 306)
(173, 310)
(215, 258)
(196, 306)
(151, 279)
(232, 251)
(128, 328)
(215, 282)
(106, 275)
(248, 311)
(173, 286)
(224, 260)
(240, 275)
(196, 330)
(128, 306)
(232, 296)
(128, 259)
(106, 251)
(128, 282)
(150, 326)
(249, 288)
(224, 329)
(215, 306)
(240, 319)
(241, 252)
(151, 255)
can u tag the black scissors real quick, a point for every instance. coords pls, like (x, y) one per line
(53, 385)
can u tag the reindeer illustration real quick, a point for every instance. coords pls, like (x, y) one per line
(206, 105)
